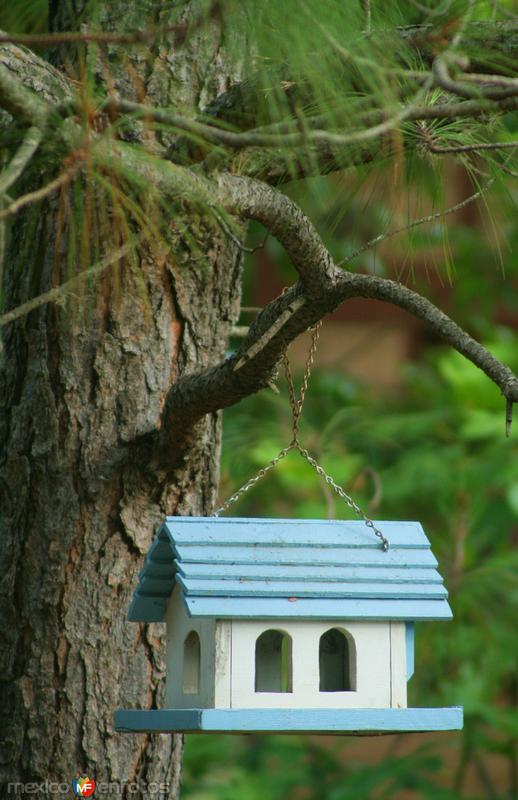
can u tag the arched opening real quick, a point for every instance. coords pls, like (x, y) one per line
(336, 657)
(191, 664)
(273, 662)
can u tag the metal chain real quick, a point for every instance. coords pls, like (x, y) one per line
(253, 480)
(343, 494)
(296, 407)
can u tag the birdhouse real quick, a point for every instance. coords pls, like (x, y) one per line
(288, 626)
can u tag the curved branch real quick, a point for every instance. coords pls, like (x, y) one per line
(21, 102)
(283, 218)
(30, 87)
(372, 286)
(275, 168)
(325, 285)
(321, 289)
(322, 286)
(443, 78)
(372, 126)
(20, 159)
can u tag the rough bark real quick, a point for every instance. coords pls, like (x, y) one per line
(79, 502)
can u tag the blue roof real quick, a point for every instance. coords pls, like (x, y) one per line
(305, 569)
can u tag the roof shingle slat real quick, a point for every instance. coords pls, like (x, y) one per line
(308, 572)
(292, 533)
(260, 554)
(321, 608)
(243, 588)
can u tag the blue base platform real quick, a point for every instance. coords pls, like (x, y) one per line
(361, 721)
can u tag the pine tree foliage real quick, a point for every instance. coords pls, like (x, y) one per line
(328, 86)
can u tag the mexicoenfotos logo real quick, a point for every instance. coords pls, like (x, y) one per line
(83, 787)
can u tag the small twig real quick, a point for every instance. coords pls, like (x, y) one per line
(368, 15)
(261, 343)
(443, 78)
(227, 229)
(181, 29)
(230, 233)
(505, 11)
(59, 292)
(257, 247)
(430, 142)
(21, 158)
(376, 124)
(2, 251)
(39, 194)
(508, 416)
(467, 148)
(239, 331)
(375, 500)
(432, 12)
(421, 221)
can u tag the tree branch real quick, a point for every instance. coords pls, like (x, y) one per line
(321, 287)
(371, 126)
(276, 168)
(420, 221)
(23, 104)
(39, 194)
(30, 87)
(282, 217)
(21, 158)
(99, 37)
(443, 78)
(470, 148)
(251, 368)
(372, 286)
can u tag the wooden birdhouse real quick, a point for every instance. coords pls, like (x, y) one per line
(288, 625)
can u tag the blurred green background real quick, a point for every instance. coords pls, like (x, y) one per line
(413, 431)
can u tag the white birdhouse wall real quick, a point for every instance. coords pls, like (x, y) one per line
(283, 664)
(374, 656)
(188, 667)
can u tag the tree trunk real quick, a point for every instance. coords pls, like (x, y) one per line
(80, 503)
